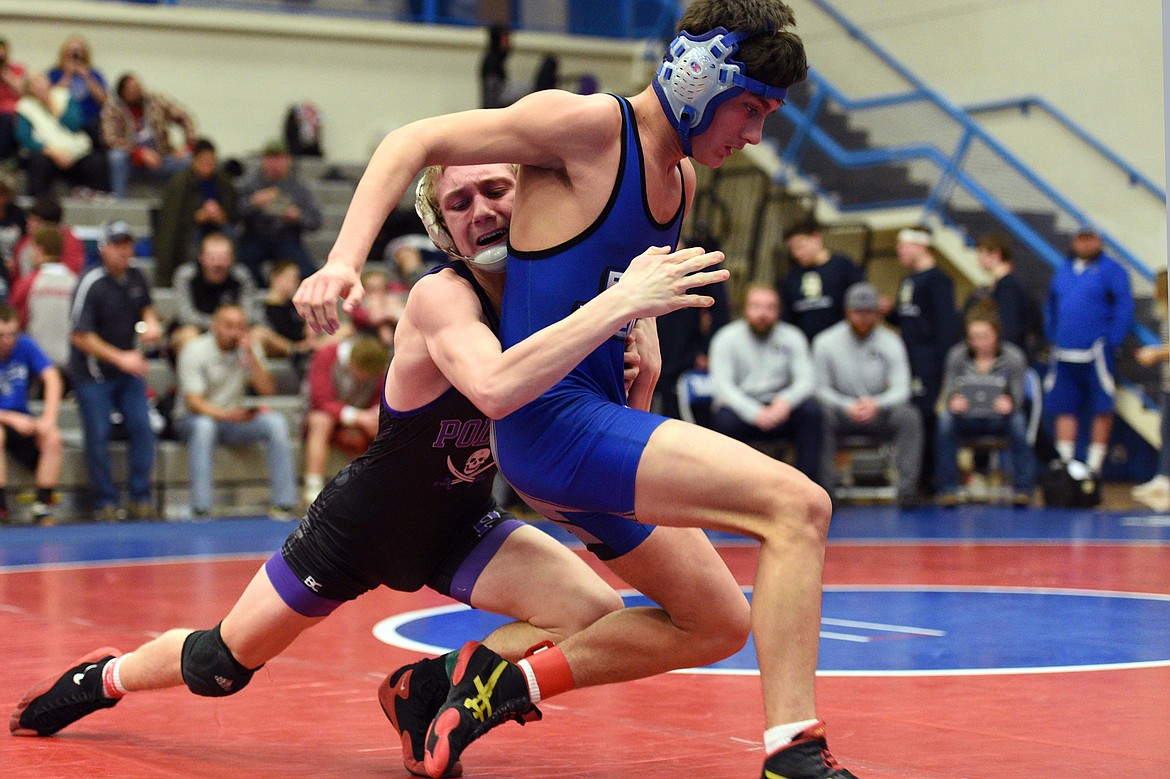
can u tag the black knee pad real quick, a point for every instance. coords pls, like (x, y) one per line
(209, 668)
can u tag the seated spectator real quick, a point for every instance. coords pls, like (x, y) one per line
(380, 309)
(112, 319)
(345, 392)
(136, 128)
(42, 298)
(1020, 319)
(410, 257)
(34, 441)
(401, 222)
(49, 131)
(812, 293)
(762, 381)
(282, 331)
(204, 285)
(46, 212)
(863, 386)
(85, 84)
(983, 394)
(13, 219)
(215, 370)
(276, 210)
(12, 75)
(195, 202)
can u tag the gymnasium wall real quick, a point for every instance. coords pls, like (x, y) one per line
(1099, 63)
(239, 71)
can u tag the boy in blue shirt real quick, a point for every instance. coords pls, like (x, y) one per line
(35, 441)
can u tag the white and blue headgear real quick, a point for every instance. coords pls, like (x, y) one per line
(698, 74)
(492, 259)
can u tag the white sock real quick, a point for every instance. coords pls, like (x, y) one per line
(781, 736)
(112, 680)
(1096, 457)
(1067, 450)
(530, 676)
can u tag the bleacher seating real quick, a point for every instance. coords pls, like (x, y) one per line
(240, 484)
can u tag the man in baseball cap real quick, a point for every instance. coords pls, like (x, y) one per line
(116, 231)
(862, 296)
(863, 386)
(1087, 315)
(112, 314)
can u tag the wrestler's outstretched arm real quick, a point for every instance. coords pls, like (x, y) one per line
(498, 381)
(529, 132)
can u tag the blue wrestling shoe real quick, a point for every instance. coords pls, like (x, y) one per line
(486, 690)
(58, 701)
(410, 698)
(807, 757)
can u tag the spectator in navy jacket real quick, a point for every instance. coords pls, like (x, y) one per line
(812, 293)
(925, 313)
(1020, 319)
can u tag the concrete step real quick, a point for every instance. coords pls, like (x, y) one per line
(134, 212)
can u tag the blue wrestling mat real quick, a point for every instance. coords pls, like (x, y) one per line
(258, 536)
(870, 629)
(923, 631)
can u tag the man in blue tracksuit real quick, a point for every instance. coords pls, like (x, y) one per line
(1087, 314)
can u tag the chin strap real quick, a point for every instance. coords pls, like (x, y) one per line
(492, 259)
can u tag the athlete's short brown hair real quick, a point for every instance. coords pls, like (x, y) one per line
(772, 54)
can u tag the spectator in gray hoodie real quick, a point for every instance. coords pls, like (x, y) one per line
(863, 386)
(762, 381)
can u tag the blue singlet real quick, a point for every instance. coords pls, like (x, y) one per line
(574, 451)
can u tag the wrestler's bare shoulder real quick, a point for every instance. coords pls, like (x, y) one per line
(571, 120)
(437, 300)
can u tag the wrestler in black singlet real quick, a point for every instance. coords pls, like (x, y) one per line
(410, 510)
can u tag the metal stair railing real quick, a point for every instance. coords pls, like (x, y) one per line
(964, 166)
(1025, 105)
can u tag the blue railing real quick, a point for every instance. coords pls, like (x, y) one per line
(921, 92)
(950, 167)
(955, 174)
(1025, 104)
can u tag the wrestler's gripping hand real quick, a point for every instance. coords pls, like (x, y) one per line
(659, 281)
(316, 298)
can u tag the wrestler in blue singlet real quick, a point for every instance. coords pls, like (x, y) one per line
(573, 452)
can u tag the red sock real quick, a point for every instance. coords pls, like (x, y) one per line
(547, 672)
